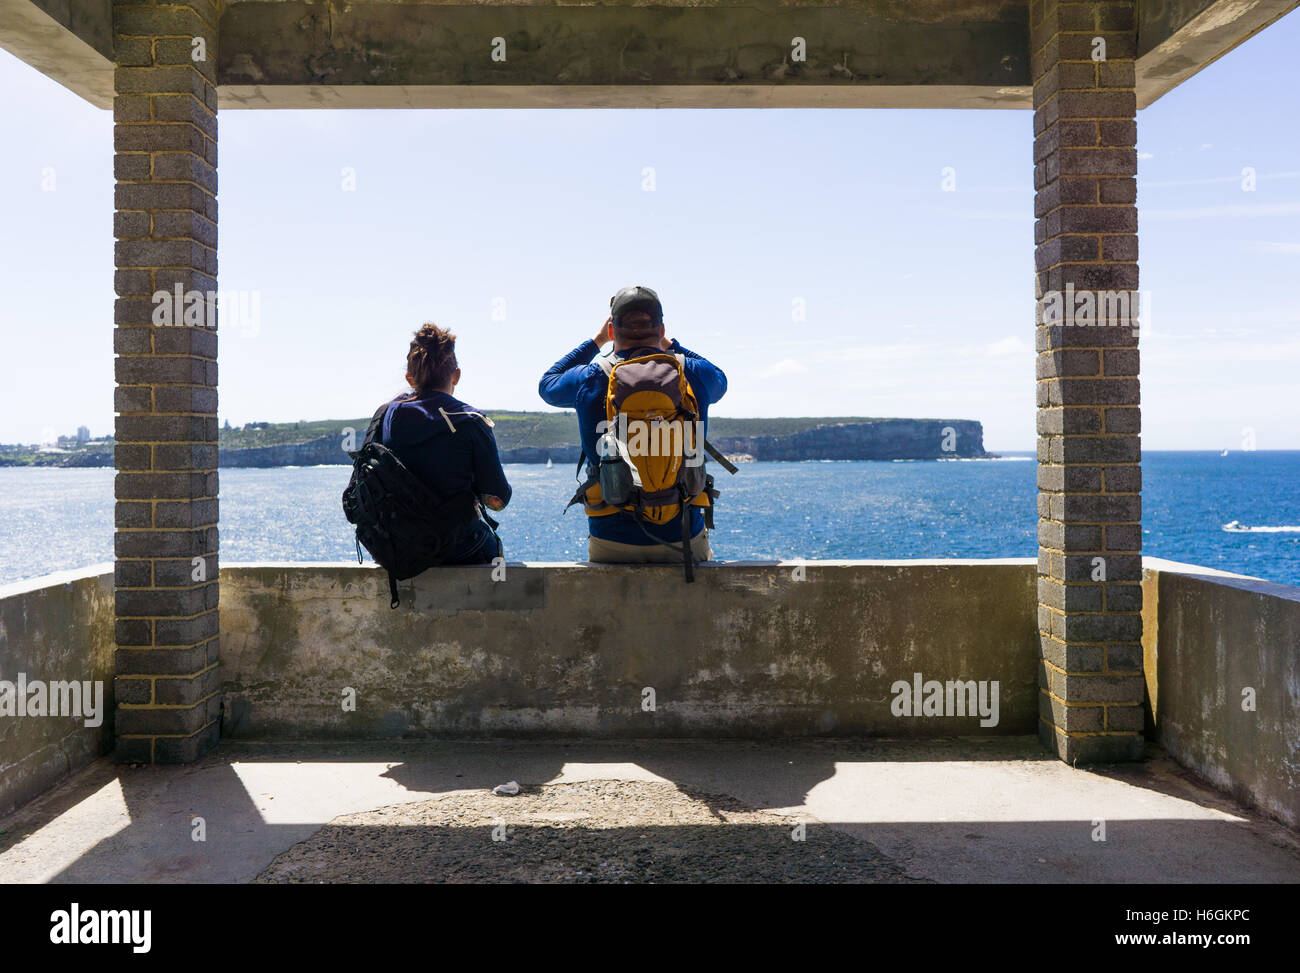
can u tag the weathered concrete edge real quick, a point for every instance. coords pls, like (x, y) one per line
(78, 56)
(1165, 62)
(1230, 579)
(758, 95)
(57, 51)
(708, 565)
(28, 585)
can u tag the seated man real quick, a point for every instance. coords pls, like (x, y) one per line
(578, 381)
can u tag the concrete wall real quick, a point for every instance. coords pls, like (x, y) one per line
(569, 649)
(746, 650)
(59, 627)
(1207, 636)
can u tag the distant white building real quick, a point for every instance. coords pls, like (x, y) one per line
(83, 435)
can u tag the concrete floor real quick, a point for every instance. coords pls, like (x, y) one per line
(986, 810)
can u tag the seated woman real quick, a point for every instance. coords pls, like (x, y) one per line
(449, 445)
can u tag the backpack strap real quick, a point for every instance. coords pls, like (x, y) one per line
(468, 412)
(607, 362)
(375, 428)
(621, 448)
(722, 461)
(688, 558)
(713, 496)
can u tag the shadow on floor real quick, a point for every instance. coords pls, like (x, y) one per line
(257, 801)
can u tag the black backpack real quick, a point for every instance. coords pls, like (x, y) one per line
(405, 526)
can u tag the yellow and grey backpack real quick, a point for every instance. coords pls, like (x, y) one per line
(652, 450)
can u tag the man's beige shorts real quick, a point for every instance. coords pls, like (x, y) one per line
(601, 551)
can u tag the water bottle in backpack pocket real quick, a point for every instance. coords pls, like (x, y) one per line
(615, 474)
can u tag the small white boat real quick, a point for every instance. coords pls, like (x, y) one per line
(1224, 453)
(549, 464)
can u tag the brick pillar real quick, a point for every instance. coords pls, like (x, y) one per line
(165, 163)
(1089, 450)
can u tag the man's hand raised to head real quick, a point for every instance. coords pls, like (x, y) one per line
(603, 334)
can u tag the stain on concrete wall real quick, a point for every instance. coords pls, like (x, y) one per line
(54, 629)
(90, 20)
(572, 649)
(309, 42)
(1223, 673)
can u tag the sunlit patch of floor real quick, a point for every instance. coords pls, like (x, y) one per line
(587, 831)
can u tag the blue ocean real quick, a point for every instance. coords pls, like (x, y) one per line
(57, 519)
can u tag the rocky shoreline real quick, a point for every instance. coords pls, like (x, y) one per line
(883, 439)
(880, 439)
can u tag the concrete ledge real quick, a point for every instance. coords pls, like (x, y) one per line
(1209, 636)
(572, 649)
(307, 54)
(1178, 38)
(253, 96)
(70, 41)
(649, 49)
(55, 628)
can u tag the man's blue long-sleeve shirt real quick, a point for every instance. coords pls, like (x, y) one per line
(577, 382)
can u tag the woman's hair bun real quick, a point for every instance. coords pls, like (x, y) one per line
(432, 357)
(435, 340)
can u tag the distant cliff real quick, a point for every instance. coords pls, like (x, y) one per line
(880, 439)
(877, 439)
(328, 451)
(321, 451)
